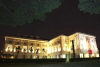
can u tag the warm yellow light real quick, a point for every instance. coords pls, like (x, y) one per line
(65, 48)
(26, 51)
(10, 50)
(14, 50)
(33, 51)
(83, 45)
(39, 51)
(81, 55)
(59, 49)
(22, 50)
(55, 49)
(68, 49)
(6, 50)
(56, 46)
(92, 55)
(52, 50)
(86, 56)
(12, 57)
(49, 50)
(63, 56)
(29, 51)
(97, 55)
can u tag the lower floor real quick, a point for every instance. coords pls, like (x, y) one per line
(47, 56)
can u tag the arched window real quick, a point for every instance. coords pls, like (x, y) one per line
(10, 41)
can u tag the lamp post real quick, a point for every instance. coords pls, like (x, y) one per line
(68, 55)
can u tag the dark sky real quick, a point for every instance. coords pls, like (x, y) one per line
(67, 19)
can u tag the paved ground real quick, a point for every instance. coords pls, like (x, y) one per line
(71, 64)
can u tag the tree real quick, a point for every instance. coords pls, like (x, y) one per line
(19, 12)
(90, 6)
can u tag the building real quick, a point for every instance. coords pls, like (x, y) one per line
(78, 45)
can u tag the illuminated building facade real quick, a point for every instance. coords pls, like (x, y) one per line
(78, 45)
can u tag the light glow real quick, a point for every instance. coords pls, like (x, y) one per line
(68, 49)
(59, 49)
(14, 50)
(33, 51)
(81, 55)
(55, 49)
(6, 50)
(92, 55)
(12, 57)
(86, 55)
(64, 56)
(65, 48)
(29, 51)
(97, 55)
(10, 50)
(49, 50)
(22, 50)
(39, 51)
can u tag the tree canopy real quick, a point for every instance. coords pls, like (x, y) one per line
(89, 6)
(19, 12)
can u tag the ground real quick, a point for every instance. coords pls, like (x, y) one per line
(70, 64)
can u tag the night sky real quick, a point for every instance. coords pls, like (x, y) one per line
(67, 19)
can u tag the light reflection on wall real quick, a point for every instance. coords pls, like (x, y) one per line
(58, 47)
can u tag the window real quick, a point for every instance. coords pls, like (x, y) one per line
(86, 55)
(25, 43)
(10, 41)
(63, 56)
(31, 49)
(17, 43)
(38, 44)
(24, 49)
(59, 48)
(9, 48)
(37, 51)
(97, 55)
(18, 48)
(43, 50)
(31, 44)
(81, 55)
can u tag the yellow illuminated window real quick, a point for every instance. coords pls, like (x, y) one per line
(68, 49)
(97, 55)
(64, 56)
(59, 49)
(86, 55)
(14, 50)
(81, 55)
(92, 55)
(6, 50)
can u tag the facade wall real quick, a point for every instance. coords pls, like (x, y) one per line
(88, 46)
(25, 48)
(77, 45)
